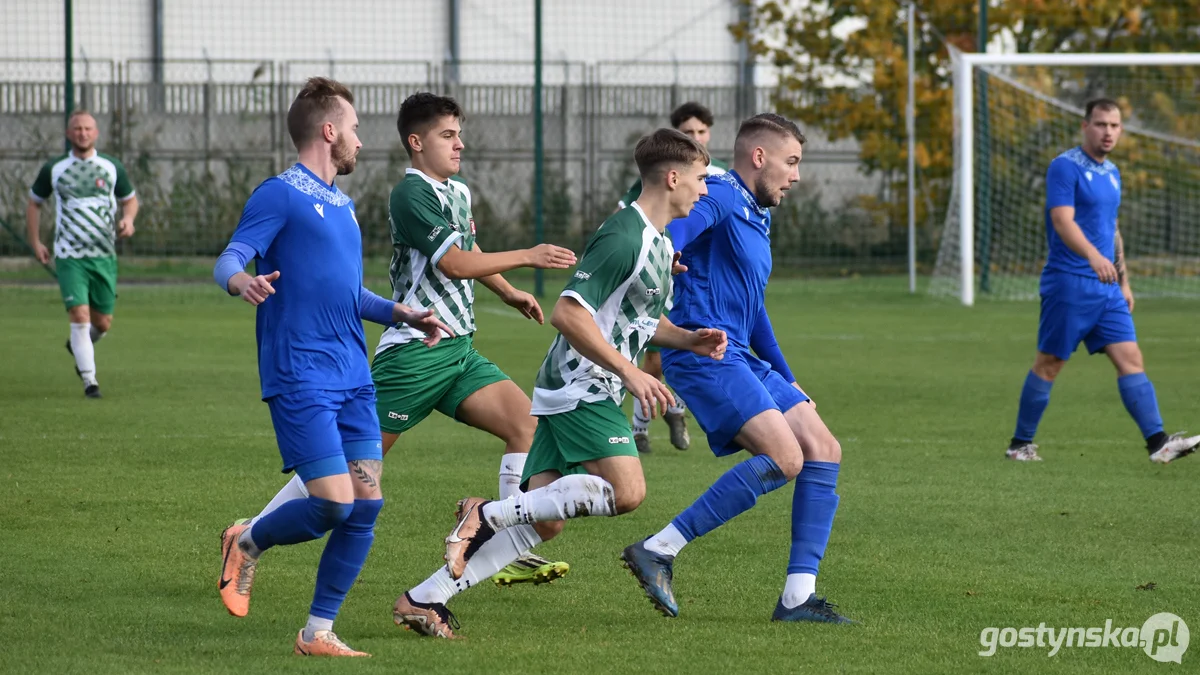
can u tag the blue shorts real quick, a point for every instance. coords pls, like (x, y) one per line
(723, 395)
(328, 428)
(1081, 309)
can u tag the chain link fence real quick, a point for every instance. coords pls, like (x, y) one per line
(198, 134)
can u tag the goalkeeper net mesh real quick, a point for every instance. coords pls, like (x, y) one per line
(1024, 117)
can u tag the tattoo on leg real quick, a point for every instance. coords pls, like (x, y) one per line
(367, 471)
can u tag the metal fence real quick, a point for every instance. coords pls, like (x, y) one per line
(197, 144)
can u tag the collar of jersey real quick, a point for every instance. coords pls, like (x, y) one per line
(638, 207)
(735, 180)
(307, 182)
(422, 174)
(1084, 160)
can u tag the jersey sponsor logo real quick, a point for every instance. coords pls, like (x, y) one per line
(436, 231)
(618, 440)
(582, 276)
(320, 209)
(100, 183)
(397, 416)
(653, 291)
(1088, 175)
(472, 222)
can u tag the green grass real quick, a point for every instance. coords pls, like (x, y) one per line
(110, 510)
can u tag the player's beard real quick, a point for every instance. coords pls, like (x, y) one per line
(344, 156)
(764, 196)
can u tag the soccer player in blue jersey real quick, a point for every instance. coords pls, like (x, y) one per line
(1086, 296)
(301, 231)
(747, 401)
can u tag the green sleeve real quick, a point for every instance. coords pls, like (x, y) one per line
(634, 192)
(42, 188)
(417, 220)
(124, 188)
(607, 262)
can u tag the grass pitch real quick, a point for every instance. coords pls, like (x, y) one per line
(110, 510)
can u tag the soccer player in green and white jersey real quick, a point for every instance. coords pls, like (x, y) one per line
(434, 266)
(696, 121)
(583, 461)
(87, 186)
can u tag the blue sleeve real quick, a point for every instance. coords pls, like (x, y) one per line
(231, 261)
(1060, 183)
(764, 344)
(374, 308)
(710, 210)
(263, 217)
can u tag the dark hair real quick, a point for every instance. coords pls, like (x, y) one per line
(689, 110)
(1101, 104)
(420, 111)
(666, 148)
(316, 104)
(769, 122)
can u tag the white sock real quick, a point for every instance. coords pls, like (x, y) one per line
(246, 543)
(316, 623)
(641, 422)
(293, 490)
(511, 466)
(85, 355)
(798, 588)
(95, 334)
(495, 554)
(668, 542)
(679, 406)
(568, 497)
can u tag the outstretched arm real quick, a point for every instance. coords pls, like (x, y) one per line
(708, 342)
(764, 344)
(705, 214)
(523, 302)
(579, 328)
(459, 264)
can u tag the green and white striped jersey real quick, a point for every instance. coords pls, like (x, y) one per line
(427, 217)
(624, 280)
(86, 193)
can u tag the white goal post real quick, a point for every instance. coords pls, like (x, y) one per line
(964, 102)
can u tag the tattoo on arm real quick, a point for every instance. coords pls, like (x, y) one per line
(1119, 258)
(367, 471)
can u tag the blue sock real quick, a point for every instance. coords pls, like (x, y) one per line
(813, 506)
(734, 492)
(1035, 396)
(298, 521)
(343, 558)
(1137, 393)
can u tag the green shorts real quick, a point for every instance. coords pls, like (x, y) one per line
(412, 380)
(564, 441)
(88, 281)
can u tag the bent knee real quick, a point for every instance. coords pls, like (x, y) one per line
(549, 529)
(328, 515)
(629, 498)
(826, 449)
(103, 324)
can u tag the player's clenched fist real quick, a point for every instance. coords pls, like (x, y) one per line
(257, 289)
(551, 257)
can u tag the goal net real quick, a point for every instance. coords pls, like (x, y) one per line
(1015, 113)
